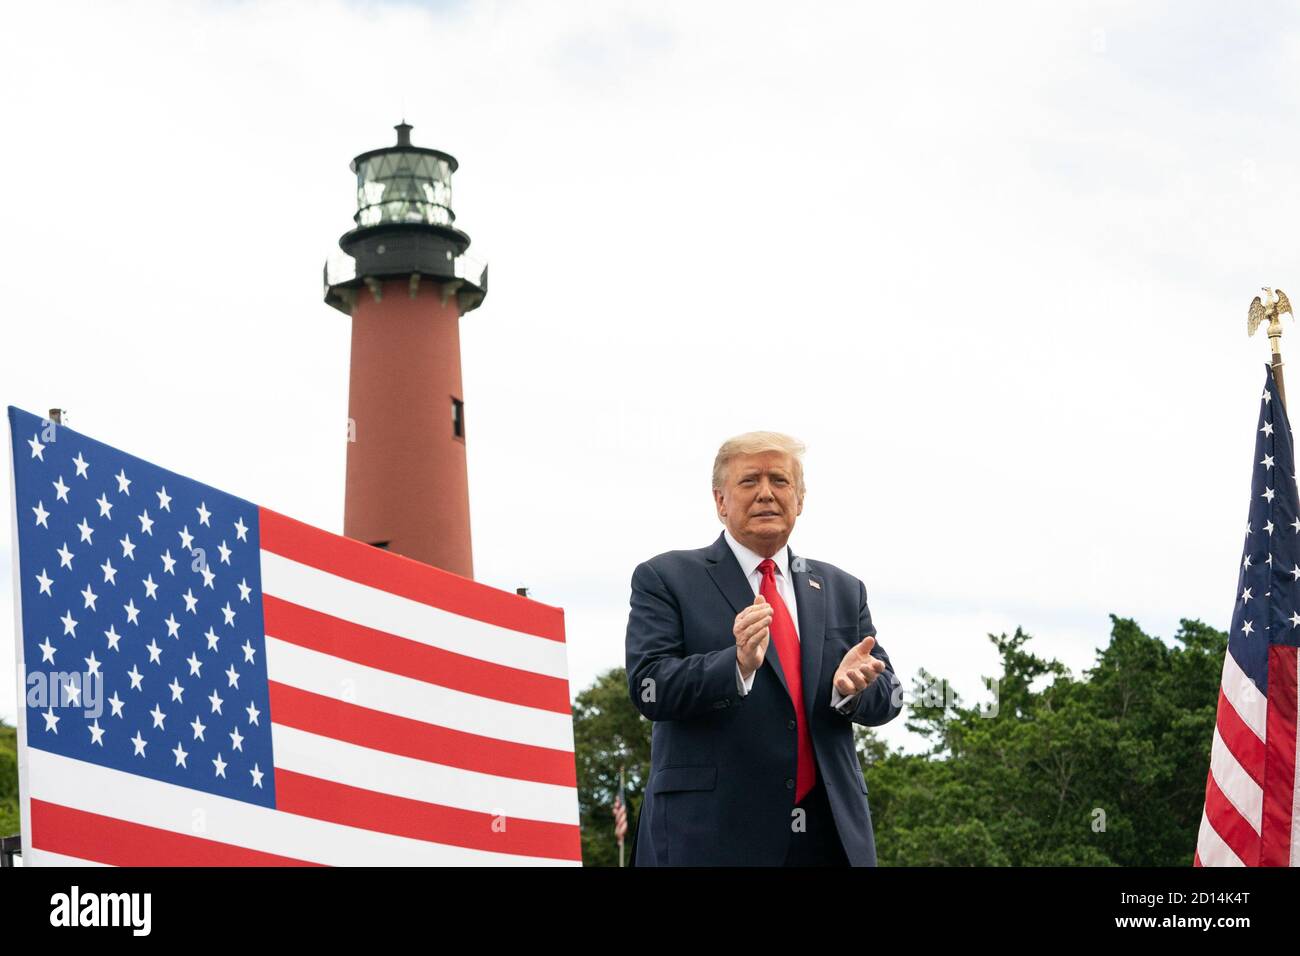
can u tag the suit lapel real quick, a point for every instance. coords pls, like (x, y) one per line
(726, 574)
(812, 628)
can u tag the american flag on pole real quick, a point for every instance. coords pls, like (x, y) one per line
(207, 682)
(1251, 813)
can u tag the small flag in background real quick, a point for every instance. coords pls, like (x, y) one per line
(1250, 814)
(208, 682)
(620, 811)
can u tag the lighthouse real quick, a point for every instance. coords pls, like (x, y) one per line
(405, 280)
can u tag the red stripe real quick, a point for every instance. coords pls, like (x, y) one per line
(1279, 765)
(103, 839)
(407, 578)
(399, 655)
(377, 730)
(399, 816)
(1196, 859)
(1241, 740)
(1234, 829)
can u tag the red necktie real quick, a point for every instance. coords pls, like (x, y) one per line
(786, 641)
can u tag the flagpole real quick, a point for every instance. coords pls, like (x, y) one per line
(1270, 307)
(1274, 340)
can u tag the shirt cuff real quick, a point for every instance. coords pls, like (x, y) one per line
(743, 686)
(845, 705)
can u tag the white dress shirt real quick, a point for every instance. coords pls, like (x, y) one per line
(749, 562)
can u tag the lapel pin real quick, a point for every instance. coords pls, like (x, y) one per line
(814, 584)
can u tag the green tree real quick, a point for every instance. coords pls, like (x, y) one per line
(608, 733)
(8, 780)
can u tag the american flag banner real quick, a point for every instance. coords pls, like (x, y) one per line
(206, 682)
(1251, 815)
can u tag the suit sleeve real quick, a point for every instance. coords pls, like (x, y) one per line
(881, 702)
(665, 682)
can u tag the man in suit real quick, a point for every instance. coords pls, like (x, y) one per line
(754, 664)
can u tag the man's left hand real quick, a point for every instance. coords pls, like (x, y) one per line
(858, 668)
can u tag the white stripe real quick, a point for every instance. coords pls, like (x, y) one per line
(364, 686)
(95, 789)
(1251, 706)
(46, 858)
(1211, 848)
(343, 598)
(329, 759)
(1242, 792)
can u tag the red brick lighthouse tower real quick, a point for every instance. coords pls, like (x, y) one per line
(405, 281)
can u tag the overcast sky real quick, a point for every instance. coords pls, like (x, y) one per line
(991, 263)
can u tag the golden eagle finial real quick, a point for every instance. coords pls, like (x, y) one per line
(1271, 307)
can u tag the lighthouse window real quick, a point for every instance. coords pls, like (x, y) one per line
(458, 418)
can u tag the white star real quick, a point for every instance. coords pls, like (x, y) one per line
(191, 602)
(237, 739)
(51, 721)
(105, 506)
(65, 556)
(45, 583)
(1267, 462)
(158, 716)
(38, 450)
(211, 635)
(146, 523)
(195, 664)
(113, 638)
(173, 626)
(123, 483)
(140, 743)
(1248, 531)
(241, 530)
(1246, 595)
(1246, 562)
(244, 591)
(1246, 627)
(128, 549)
(220, 765)
(136, 678)
(198, 728)
(110, 572)
(168, 562)
(60, 489)
(1268, 428)
(187, 539)
(48, 651)
(232, 675)
(204, 513)
(1267, 397)
(72, 694)
(132, 612)
(82, 466)
(150, 588)
(92, 665)
(90, 597)
(208, 577)
(1295, 618)
(96, 733)
(69, 623)
(1295, 573)
(248, 653)
(1269, 527)
(225, 552)
(86, 531)
(116, 703)
(180, 755)
(230, 614)
(176, 689)
(257, 776)
(252, 713)
(41, 514)
(155, 652)
(216, 702)
(1267, 494)
(164, 499)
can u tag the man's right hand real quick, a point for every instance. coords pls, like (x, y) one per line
(752, 632)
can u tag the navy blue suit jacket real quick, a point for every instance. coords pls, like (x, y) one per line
(722, 766)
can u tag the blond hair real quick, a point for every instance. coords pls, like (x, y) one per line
(755, 443)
